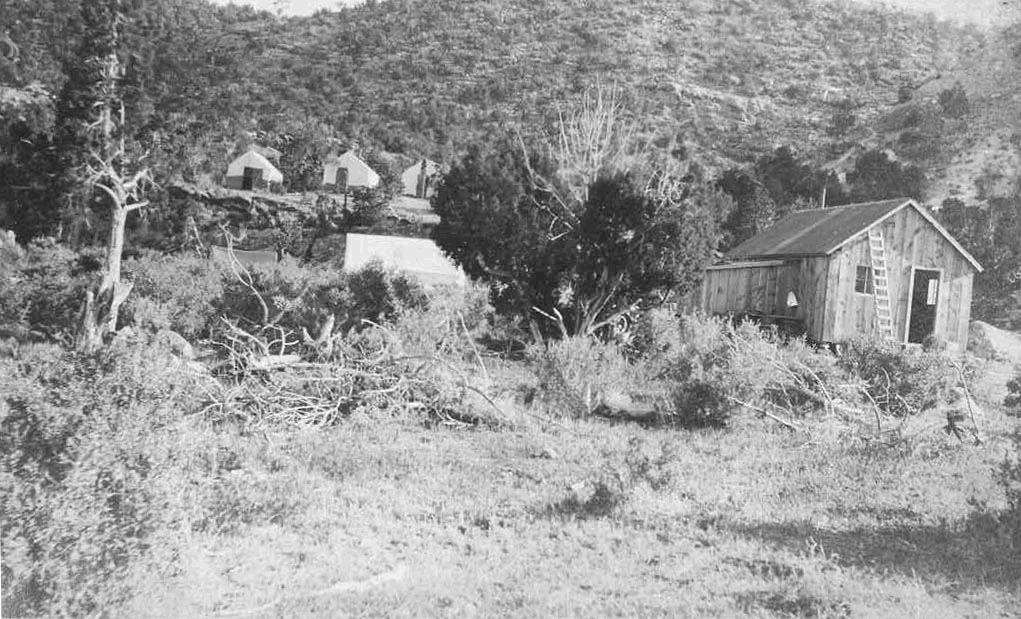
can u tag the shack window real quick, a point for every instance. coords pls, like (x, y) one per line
(863, 280)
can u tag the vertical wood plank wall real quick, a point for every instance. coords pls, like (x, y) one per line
(756, 288)
(813, 294)
(764, 288)
(910, 242)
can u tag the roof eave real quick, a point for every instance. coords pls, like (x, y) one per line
(760, 257)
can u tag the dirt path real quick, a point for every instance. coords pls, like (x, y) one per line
(992, 384)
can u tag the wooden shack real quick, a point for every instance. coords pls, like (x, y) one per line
(885, 269)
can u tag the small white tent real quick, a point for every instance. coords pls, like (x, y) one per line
(420, 258)
(347, 172)
(252, 171)
(420, 179)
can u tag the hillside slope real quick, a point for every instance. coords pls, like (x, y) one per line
(720, 82)
(736, 78)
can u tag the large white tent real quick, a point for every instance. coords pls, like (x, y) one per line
(421, 258)
(353, 172)
(252, 171)
(419, 180)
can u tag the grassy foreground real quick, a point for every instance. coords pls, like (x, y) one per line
(410, 469)
(376, 518)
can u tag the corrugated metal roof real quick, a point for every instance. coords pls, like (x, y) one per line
(815, 232)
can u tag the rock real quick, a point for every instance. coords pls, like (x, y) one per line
(176, 343)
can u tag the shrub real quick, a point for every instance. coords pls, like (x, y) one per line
(576, 373)
(43, 289)
(448, 324)
(177, 292)
(954, 101)
(1010, 478)
(1013, 399)
(713, 367)
(905, 93)
(697, 366)
(92, 452)
(843, 119)
(901, 382)
(379, 294)
(293, 297)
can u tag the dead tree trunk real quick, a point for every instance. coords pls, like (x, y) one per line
(105, 171)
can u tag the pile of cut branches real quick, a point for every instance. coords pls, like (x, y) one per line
(272, 377)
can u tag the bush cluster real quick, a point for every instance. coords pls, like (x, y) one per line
(1010, 479)
(42, 288)
(91, 449)
(902, 382)
(954, 101)
(700, 370)
(176, 292)
(697, 370)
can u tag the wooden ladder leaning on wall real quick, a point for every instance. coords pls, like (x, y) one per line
(880, 283)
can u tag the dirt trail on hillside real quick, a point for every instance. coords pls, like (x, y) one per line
(991, 386)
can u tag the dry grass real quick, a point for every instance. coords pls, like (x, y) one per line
(581, 518)
(547, 514)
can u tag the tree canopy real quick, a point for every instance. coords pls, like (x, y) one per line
(572, 266)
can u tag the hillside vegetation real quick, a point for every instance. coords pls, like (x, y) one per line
(727, 81)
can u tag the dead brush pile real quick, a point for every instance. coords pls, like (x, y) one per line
(383, 347)
(369, 371)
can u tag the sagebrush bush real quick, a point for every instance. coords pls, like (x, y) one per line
(177, 292)
(902, 382)
(1009, 477)
(697, 367)
(954, 101)
(91, 452)
(43, 288)
(577, 372)
(1013, 398)
(379, 294)
(294, 297)
(449, 322)
(711, 367)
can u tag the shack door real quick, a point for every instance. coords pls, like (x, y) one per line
(251, 178)
(924, 297)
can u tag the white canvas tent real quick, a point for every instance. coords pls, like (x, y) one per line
(252, 171)
(347, 172)
(419, 180)
(421, 258)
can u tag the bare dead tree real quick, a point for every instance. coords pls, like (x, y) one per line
(106, 171)
(594, 139)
